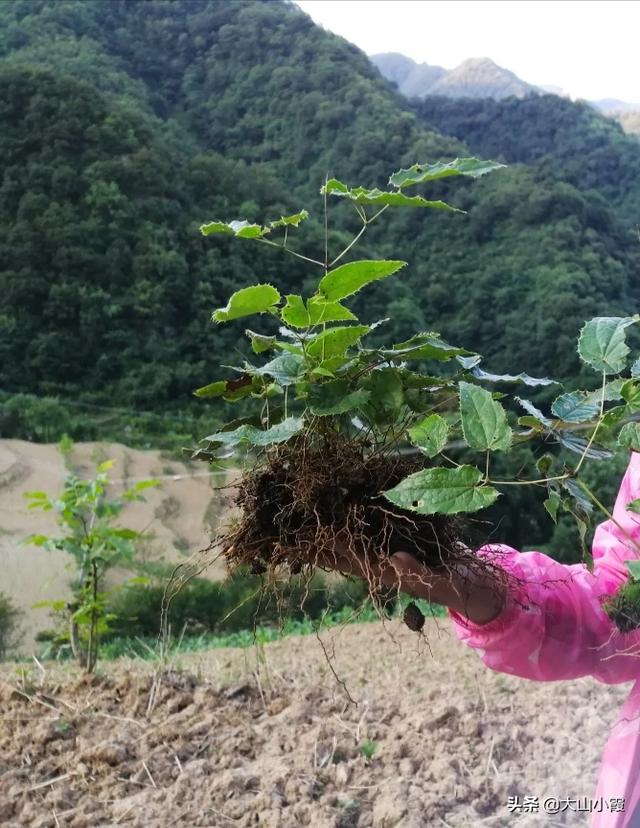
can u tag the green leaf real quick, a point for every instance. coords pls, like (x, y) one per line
(574, 407)
(521, 378)
(629, 436)
(285, 369)
(316, 312)
(633, 568)
(231, 390)
(484, 420)
(614, 416)
(361, 195)
(634, 506)
(335, 341)
(612, 391)
(552, 504)
(335, 398)
(419, 173)
(630, 393)
(261, 343)
(430, 435)
(289, 221)
(350, 278)
(386, 390)
(242, 229)
(279, 433)
(423, 346)
(579, 445)
(530, 408)
(443, 491)
(602, 343)
(635, 368)
(246, 302)
(37, 540)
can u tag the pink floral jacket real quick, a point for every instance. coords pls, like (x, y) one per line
(553, 627)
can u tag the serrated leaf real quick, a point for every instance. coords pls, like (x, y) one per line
(289, 221)
(261, 343)
(469, 362)
(335, 341)
(286, 369)
(602, 343)
(552, 504)
(630, 393)
(242, 229)
(579, 445)
(544, 464)
(253, 436)
(430, 435)
(350, 278)
(578, 494)
(484, 420)
(531, 409)
(633, 567)
(443, 491)
(613, 416)
(231, 390)
(247, 301)
(611, 392)
(531, 422)
(335, 398)
(420, 173)
(386, 391)
(629, 436)
(361, 195)
(574, 407)
(316, 311)
(520, 378)
(423, 346)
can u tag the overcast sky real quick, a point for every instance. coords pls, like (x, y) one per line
(589, 48)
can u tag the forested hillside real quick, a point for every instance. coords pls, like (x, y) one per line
(560, 139)
(124, 125)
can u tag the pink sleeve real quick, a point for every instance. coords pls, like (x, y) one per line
(553, 626)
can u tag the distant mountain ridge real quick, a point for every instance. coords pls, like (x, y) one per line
(478, 77)
(481, 77)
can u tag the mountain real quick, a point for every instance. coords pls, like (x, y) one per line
(482, 78)
(412, 79)
(126, 125)
(474, 78)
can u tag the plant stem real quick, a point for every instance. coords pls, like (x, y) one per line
(288, 250)
(365, 224)
(595, 430)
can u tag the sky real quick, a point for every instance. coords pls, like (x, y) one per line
(588, 48)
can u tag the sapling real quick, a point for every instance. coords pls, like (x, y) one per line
(86, 516)
(352, 442)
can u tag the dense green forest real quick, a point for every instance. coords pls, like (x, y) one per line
(125, 125)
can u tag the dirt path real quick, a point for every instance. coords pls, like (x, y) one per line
(267, 737)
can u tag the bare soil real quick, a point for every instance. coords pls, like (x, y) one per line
(267, 736)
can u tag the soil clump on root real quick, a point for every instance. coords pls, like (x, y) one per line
(319, 495)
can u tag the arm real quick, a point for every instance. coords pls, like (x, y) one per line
(553, 626)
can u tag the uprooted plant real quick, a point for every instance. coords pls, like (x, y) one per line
(353, 443)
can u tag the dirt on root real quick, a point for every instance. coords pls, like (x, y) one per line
(267, 737)
(321, 494)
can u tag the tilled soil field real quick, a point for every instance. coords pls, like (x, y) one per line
(407, 732)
